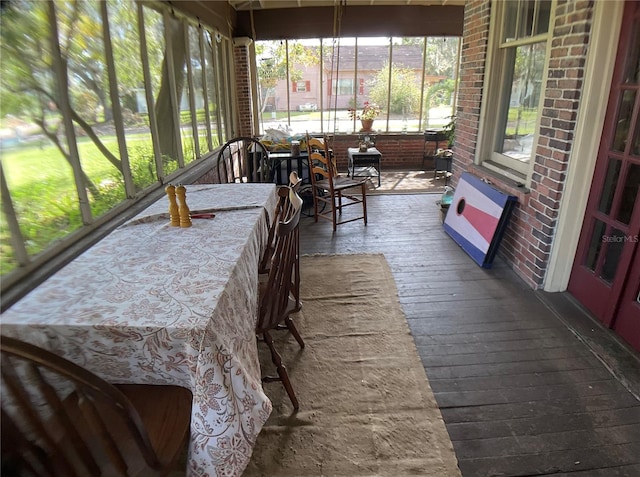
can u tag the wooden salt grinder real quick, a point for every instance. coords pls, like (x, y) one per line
(183, 210)
(174, 216)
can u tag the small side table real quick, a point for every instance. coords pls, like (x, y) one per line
(368, 163)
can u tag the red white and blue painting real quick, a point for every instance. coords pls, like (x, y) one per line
(478, 217)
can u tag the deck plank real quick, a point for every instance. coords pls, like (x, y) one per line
(521, 394)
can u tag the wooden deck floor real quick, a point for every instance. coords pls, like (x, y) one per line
(521, 390)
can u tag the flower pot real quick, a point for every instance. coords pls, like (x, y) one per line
(444, 208)
(366, 124)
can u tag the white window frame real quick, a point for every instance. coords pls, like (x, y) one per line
(497, 92)
(338, 85)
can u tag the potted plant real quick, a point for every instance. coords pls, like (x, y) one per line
(450, 131)
(369, 112)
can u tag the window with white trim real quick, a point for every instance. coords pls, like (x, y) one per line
(521, 56)
(303, 86)
(343, 86)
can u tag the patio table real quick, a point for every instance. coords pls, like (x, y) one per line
(364, 163)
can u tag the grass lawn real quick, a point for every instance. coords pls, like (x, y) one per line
(44, 194)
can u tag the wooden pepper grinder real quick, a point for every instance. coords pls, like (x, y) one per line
(174, 216)
(183, 210)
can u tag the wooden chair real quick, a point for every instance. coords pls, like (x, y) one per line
(244, 159)
(282, 213)
(59, 419)
(276, 302)
(331, 189)
(285, 209)
(295, 181)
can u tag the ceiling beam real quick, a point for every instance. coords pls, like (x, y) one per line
(377, 20)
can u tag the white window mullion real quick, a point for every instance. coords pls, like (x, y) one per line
(225, 94)
(456, 77)
(129, 186)
(62, 83)
(322, 86)
(424, 72)
(175, 101)
(356, 86)
(389, 80)
(228, 93)
(215, 62)
(148, 90)
(205, 87)
(253, 69)
(15, 235)
(192, 92)
(286, 59)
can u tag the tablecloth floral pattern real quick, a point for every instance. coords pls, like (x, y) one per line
(156, 304)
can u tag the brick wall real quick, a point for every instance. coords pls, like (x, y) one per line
(399, 151)
(244, 107)
(472, 68)
(527, 243)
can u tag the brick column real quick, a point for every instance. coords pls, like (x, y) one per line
(472, 70)
(244, 105)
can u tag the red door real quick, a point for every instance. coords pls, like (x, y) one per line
(627, 321)
(606, 273)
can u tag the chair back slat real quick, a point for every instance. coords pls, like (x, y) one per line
(62, 418)
(275, 298)
(35, 460)
(321, 161)
(279, 215)
(30, 404)
(330, 191)
(243, 159)
(101, 430)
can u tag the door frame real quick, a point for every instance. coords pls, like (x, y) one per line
(605, 34)
(588, 287)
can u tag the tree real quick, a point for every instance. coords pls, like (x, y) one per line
(84, 51)
(405, 89)
(29, 87)
(272, 65)
(442, 56)
(28, 72)
(437, 94)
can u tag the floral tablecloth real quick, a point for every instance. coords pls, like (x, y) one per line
(156, 304)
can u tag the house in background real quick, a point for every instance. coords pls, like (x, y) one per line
(343, 76)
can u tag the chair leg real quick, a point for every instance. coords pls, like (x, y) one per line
(315, 203)
(364, 203)
(283, 376)
(333, 214)
(294, 331)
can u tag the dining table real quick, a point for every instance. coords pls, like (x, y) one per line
(157, 304)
